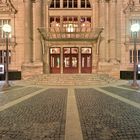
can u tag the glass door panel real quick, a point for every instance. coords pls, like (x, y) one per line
(74, 62)
(55, 60)
(86, 64)
(86, 60)
(70, 60)
(66, 61)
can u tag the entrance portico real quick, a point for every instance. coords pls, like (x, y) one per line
(71, 52)
(74, 32)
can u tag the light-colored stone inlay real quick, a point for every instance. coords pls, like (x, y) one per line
(73, 129)
(10, 104)
(120, 98)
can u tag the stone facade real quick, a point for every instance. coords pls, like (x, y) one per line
(110, 50)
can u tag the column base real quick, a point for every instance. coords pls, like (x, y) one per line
(110, 69)
(6, 86)
(31, 69)
(135, 85)
(46, 68)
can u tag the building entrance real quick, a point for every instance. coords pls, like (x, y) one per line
(70, 60)
(55, 60)
(86, 60)
(67, 60)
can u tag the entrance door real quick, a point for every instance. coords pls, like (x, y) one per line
(86, 60)
(70, 60)
(54, 60)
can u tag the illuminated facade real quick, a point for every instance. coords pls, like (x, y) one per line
(69, 36)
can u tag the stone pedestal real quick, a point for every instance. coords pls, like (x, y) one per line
(110, 69)
(46, 69)
(31, 69)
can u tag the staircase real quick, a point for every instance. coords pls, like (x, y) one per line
(70, 79)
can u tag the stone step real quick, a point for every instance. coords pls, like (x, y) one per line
(70, 79)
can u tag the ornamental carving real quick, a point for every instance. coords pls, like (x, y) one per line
(2, 1)
(6, 6)
(107, 1)
(132, 7)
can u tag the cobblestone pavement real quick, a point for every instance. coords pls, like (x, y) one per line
(15, 92)
(127, 93)
(106, 118)
(41, 117)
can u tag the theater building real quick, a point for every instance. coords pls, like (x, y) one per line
(70, 36)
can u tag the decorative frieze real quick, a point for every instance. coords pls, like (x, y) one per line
(107, 1)
(132, 6)
(6, 6)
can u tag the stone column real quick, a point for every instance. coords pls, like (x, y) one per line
(38, 24)
(47, 44)
(118, 31)
(106, 30)
(28, 36)
(29, 68)
(112, 30)
(95, 13)
(44, 13)
(102, 14)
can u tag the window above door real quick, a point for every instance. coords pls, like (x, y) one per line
(70, 4)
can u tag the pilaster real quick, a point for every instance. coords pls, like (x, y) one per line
(108, 47)
(29, 68)
(28, 33)
(118, 31)
(37, 37)
(102, 13)
(112, 30)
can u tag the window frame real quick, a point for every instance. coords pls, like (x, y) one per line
(131, 56)
(72, 4)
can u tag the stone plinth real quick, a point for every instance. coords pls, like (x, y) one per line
(109, 68)
(31, 69)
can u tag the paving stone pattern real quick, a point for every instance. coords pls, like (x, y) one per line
(106, 118)
(132, 95)
(11, 95)
(41, 117)
(14, 87)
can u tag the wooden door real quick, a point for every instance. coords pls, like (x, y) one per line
(55, 61)
(86, 60)
(70, 60)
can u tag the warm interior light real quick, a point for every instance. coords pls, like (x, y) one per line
(57, 24)
(135, 27)
(70, 28)
(7, 28)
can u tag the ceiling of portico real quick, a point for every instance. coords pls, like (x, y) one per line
(60, 34)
